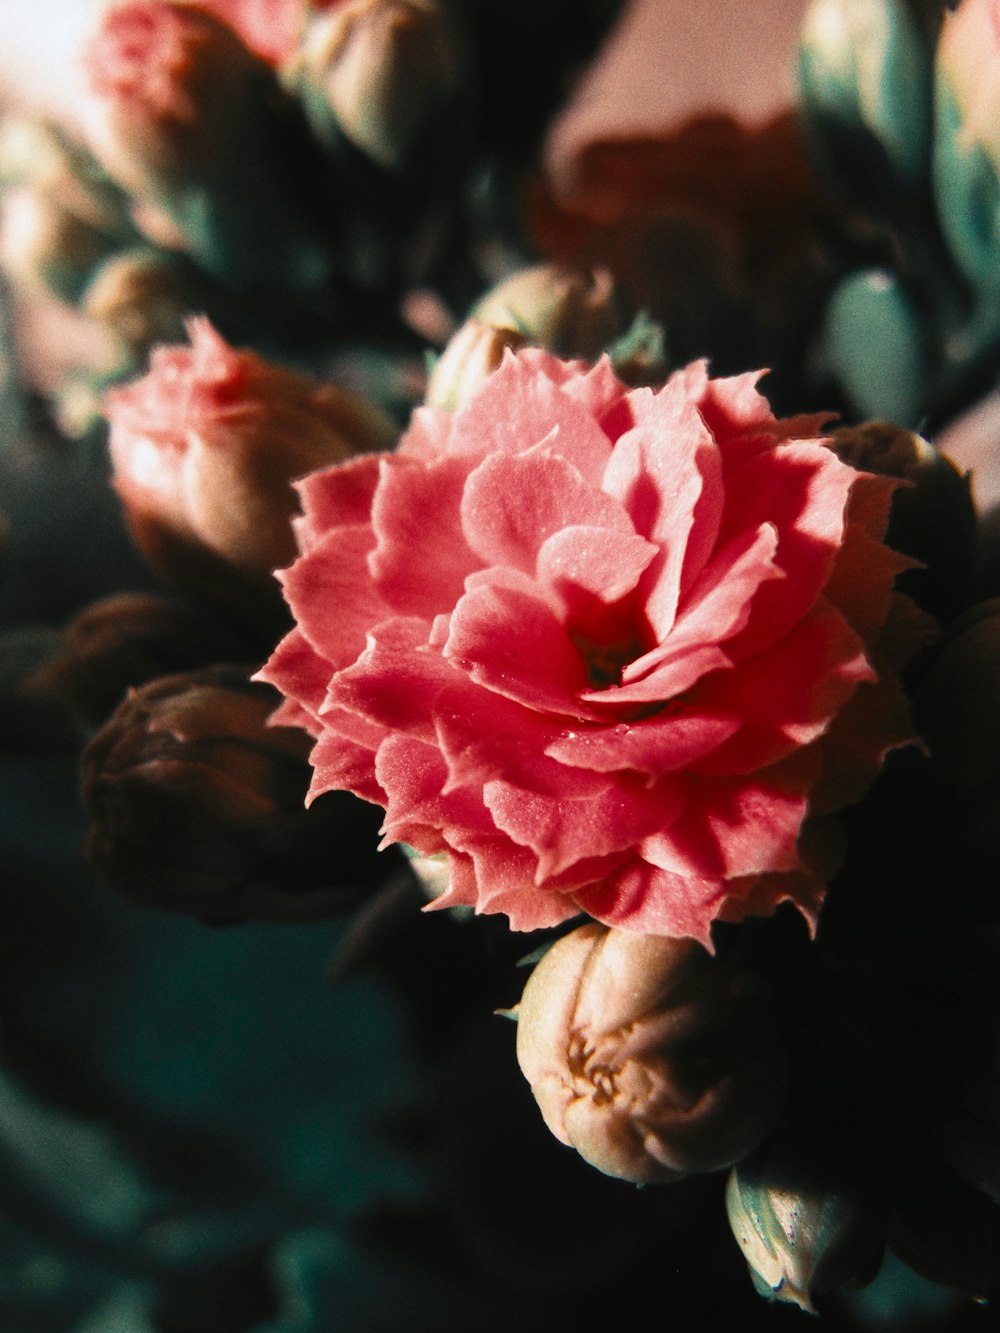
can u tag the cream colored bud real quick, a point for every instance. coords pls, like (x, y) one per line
(470, 358)
(649, 1056)
(44, 247)
(378, 72)
(142, 296)
(573, 313)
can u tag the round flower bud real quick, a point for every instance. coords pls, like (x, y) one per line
(123, 641)
(473, 353)
(380, 73)
(204, 449)
(865, 84)
(193, 125)
(806, 1227)
(966, 139)
(143, 296)
(932, 520)
(649, 1056)
(198, 806)
(45, 247)
(574, 313)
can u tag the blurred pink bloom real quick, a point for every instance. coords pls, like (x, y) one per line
(204, 448)
(608, 649)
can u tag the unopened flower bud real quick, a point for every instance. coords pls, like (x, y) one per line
(198, 806)
(932, 520)
(123, 641)
(46, 248)
(380, 73)
(865, 89)
(194, 126)
(805, 1226)
(471, 356)
(41, 157)
(967, 140)
(648, 1056)
(573, 313)
(143, 296)
(205, 448)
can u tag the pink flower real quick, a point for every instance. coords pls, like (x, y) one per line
(608, 649)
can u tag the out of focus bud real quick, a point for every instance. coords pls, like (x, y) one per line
(46, 248)
(933, 518)
(865, 90)
(271, 28)
(967, 140)
(471, 356)
(191, 123)
(805, 1226)
(573, 313)
(648, 1056)
(380, 73)
(198, 806)
(143, 296)
(38, 156)
(204, 449)
(123, 641)
(876, 346)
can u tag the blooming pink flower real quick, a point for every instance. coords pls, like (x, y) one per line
(608, 649)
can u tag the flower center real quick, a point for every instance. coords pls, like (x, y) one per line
(605, 661)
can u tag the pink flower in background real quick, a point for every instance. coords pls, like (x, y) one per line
(607, 649)
(204, 447)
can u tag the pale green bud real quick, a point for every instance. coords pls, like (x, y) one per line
(379, 73)
(876, 346)
(865, 88)
(806, 1229)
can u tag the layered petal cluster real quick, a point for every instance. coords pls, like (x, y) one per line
(608, 649)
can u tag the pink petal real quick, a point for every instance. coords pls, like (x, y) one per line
(803, 490)
(426, 437)
(672, 676)
(496, 876)
(721, 601)
(331, 593)
(512, 503)
(336, 497)
(654, 472)
(562, 830)
(650, 901)
(748, 826)
(665, 743)
(483, 736)
(340, 764)
(413, 776)
(510, 641)
(787, 695)
(394, 681)
(298, 671)
(518, 407)
(422, 558)
(598, 561)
